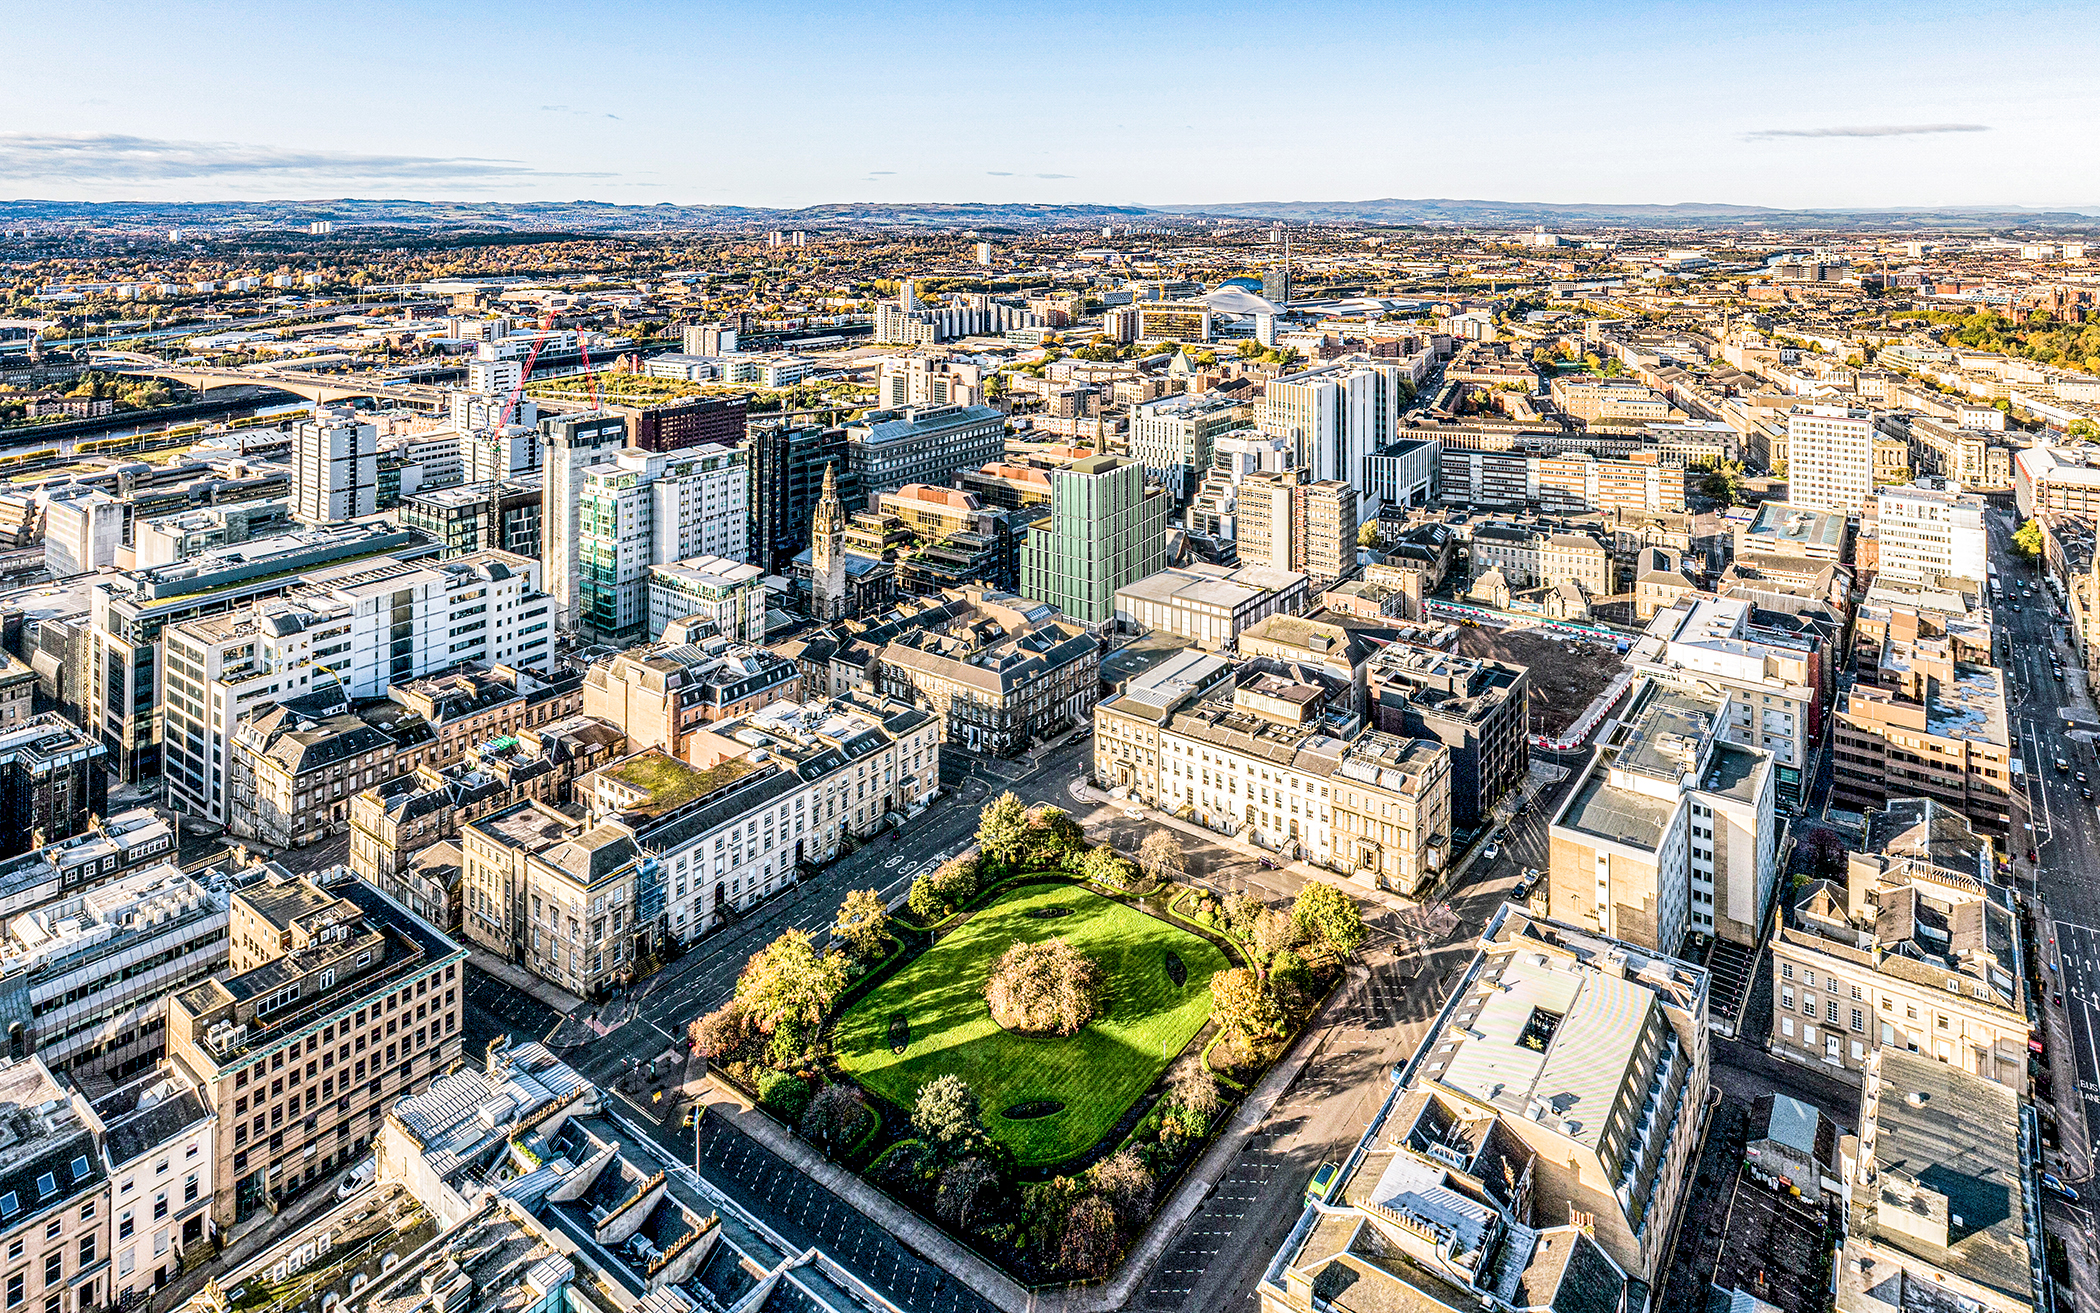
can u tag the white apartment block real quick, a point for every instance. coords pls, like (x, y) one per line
(1830, 458)
(1173, 438)
(335, 468)
(363, 626)
(644, 508)
(1335, 416)
(491, 453)
(923, 378)
(470, 410)
(1931, 529)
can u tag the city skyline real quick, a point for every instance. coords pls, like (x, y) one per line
(1173, 105)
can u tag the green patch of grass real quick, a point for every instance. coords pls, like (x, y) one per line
(1146, 1019)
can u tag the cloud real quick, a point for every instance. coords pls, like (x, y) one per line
(994, 173)
(1880, 130)
(1056, 175)
(882, 173)
(111, 157)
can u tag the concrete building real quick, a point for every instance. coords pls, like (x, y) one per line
(1214, 507)
(1932, 1138)
(1286, 521)
(1916, 948)
(166, 539)
(890, 448)
(1930, 530)
(82, 533)
(924, 378)
(1789, 529)
(1774, 678)
(1478, 708)
(1209, 604)
(1014, 672)
(1669, 830)
(312, 965)
(335, 468)
(573, 443)
(1106, 529)
(729, 595)
(459, 518)
(1597, 400)
(1174, 438)
(54, 1194)
(1934, 726)
(51, 782)
(663, 695)
(1830, 458)
(640, 509)
(1335, 417)
(1476, 1183)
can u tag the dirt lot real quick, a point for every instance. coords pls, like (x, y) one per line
(1565, 677)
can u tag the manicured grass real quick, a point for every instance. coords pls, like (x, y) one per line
(1146, 1019)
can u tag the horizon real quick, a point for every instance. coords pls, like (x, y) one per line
(777, 108)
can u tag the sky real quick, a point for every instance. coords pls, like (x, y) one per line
(1832, 104)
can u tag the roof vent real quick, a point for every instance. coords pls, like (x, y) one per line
(1916, 1098)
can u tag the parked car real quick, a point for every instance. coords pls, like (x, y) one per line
(1322, 1177)
(1491, 852)
(358, 1177)
(2058, 1188)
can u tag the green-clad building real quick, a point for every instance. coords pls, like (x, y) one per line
(1106, 529)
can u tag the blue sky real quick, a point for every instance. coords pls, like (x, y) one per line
(760, 103)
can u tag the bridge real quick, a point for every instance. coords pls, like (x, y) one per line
(317, 388)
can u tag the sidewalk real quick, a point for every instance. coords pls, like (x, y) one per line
(561, 1000)
(987, 1280)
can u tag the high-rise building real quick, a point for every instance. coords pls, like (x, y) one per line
(573, 443)
(1106, 529)
(710, 339)
(787, 472)
(731, 595)
(686, 422)
(335, 468)
(1291, 521)
(1173, 438)
(1335, 417)
(1930, 529)
(501, 453)
(921, 378)
(642, 508)
(1830, 458)
(82, 533)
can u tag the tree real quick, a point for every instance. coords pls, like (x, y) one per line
(1160, 857)
(835, 1118)
(925, 899)
(965, 1193)
(1002, 829)
(1241, 913)
(947, 1117)
(1242, 1006)
(863, 924)
(2027, 540)
(1043, 988)
(1290, 980)
(788, 983)
(1102, 865)
(1091, 1245)
(723, 1034)
(1274, 931)
(1053, 833)
(1368, 535)
(1126, 1183)
(1194, 1092)
(1324, 912)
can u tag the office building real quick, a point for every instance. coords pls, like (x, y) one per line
(573, 444)
(1609, 400)
(1290, 521)
(158, 1140)
(729, 595)
(1015, 672)
(1214, 507)
(1669, 829)
(1209, 604)
(1173, 438)
(166, 539)
(51, 782)
(1404, 474)
(685, 422)
(1106, 529)
(458, 517)
(1944, 1210)
(82, 533)
(925, 378)
(890, 448)
(1495, 1174)
(500, 453)
(1933, 725)
(1830, 458)
(312, 965)
(1391, 814)
(663, 695)
(643, 508)
(1790, 530)
(477, 412)
(1173, 321)
(787, 478)
(297, 763)
(1916, 947)
(335, 468)
(1774, 674)
(1477, 707)
(1930, 530)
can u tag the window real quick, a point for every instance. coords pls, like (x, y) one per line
(54, 1267)
(124, 1226)
(53, 1227)
(87, 1250)
(14, 1290)
(46, 1186)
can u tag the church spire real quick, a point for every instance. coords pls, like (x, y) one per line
(827, 551)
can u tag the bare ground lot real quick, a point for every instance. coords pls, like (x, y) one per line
(1565, 676)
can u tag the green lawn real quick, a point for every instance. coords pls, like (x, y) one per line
(1146, 1019)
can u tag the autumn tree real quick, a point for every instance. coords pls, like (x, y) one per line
(1325, 913)
(789, 984)
(863, 924)
(1043, 988)
(1160, 857)
(1241, 1005)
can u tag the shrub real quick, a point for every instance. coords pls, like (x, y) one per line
(1092, 1244)
(906, 1167)
(1273, 932)
(1043, 988)
(1242, 913)
(724, 1035)
(1126, 1183)
(947, 1117)
(782, 1094)
(966, 1193)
